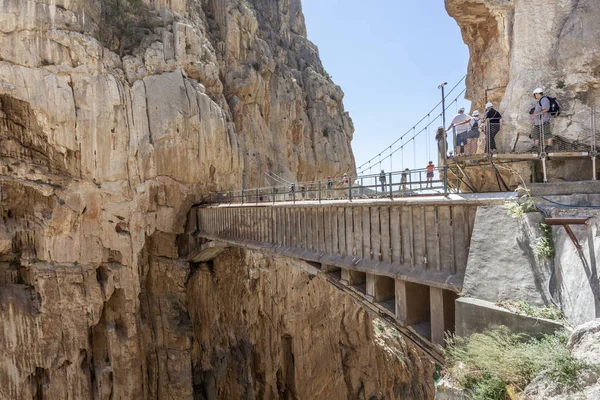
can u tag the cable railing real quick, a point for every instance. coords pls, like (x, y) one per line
(542, 137)
(417, 182)
(411, 134)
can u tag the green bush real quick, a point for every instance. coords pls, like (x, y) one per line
(517, 209)
(544, 246)
(486, 363)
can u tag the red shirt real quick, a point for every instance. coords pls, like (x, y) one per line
(430, 168)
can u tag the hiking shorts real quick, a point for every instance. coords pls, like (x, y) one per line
(536, 132)
(461, 139)
(473, 134)
(430, 174)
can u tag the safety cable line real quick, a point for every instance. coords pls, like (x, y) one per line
(418, 133)
(421, 120)
(277, 178)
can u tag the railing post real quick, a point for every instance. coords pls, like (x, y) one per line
(242, 196)
(350, 188)
(273, 194)
(445, 180)
(594, 153)
(294, 193)
(319, 193)
(391, 187)
(257, 196)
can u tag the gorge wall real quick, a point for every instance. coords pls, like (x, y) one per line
(519, 45)
(115, 116)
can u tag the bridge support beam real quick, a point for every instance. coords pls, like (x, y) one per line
(442, 313)
(351, 278)
(380, 288)
(412, 302)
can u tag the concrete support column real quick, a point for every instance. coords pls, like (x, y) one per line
(401, 302)
(438, 324)
(346, 277)
(380, 288)
(370, 289)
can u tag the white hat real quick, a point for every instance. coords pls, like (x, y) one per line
(489, 105)
(476, 113)
(461, 109)
(538, 90)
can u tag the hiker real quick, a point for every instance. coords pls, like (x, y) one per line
(442, 143)
(404, 178)
(329, 186)
(473, 134)
(493, 124)
(542, 121)
(382, 180)
(292, 191)
(430, 168)
(345, 180)
(461, 125)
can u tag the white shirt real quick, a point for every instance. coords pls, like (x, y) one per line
(458, 119)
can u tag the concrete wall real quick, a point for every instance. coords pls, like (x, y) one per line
(476, 316)
(502, 265)
(427, 244)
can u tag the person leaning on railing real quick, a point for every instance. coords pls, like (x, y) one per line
(460, 123)
(542, 121)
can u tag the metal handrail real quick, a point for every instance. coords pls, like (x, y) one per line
(390, 184)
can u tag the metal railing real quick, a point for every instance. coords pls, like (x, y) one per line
(416, 182)
(542, 133)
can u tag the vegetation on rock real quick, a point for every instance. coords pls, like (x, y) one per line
(524, 308)
(491, 362)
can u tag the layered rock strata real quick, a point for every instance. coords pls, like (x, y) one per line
(114, 117)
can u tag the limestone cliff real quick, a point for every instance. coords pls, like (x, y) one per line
(517, 46)
(114, 117)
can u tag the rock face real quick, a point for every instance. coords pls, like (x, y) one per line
(517, 46)
(293, 336)
(114, 117)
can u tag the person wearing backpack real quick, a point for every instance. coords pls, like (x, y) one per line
(473, 134)
(545, 108)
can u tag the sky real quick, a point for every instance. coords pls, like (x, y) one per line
(389, 56)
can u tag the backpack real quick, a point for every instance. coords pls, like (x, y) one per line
(554, 106)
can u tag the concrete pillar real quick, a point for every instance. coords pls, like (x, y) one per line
(401, 302)
(412, 302)
(379, 288)
(438, 321)
(351, 277)
(346, 277)
(370, 289)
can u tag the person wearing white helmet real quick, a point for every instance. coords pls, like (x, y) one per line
(493, 124)
(473, 134)
(461, 125)
(542, 126)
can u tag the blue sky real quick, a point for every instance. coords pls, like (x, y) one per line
(389, 56)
